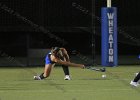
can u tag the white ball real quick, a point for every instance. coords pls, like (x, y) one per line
(103, 76)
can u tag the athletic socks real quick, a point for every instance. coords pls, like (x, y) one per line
(136, 79)
(42, 76)
(65, 69)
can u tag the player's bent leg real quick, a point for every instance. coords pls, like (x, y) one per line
(46, 73)
(47, 70)
(66, 72)
(135, 82)
(65, 69)
(137, 78)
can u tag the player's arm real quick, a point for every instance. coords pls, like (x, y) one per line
(59, 61)
(70, 64)
(65, 54)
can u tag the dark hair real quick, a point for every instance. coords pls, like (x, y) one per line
(55, 49)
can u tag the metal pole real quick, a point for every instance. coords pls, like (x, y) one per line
(27, 47)
(108, 3)
(93, 33)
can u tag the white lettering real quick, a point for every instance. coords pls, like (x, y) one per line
(111, 58)
(110, 38)
(110, 51)
(111, 44)
(111, 30)
(110, 23)
(110, 15)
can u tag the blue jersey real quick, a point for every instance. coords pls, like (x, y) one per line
(48, 59)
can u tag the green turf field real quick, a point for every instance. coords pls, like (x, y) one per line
(18, 84)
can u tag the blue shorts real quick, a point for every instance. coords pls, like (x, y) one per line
(48, 60)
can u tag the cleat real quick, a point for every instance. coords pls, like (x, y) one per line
(67, 77)
(134, 83)
(37, 78)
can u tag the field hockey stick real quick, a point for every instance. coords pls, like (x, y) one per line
(96, 69)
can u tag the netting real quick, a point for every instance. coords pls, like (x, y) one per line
(27, 26)
(31, 28)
